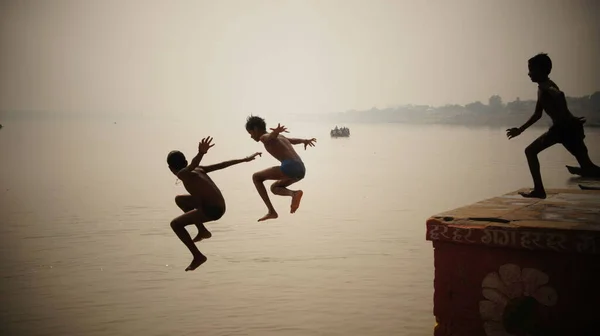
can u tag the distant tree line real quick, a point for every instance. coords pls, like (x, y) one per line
(589, 105)
(495, 113)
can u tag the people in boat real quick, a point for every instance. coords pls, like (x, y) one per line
(204, 203)
(290, 171)
(566, 129)
(342, 131)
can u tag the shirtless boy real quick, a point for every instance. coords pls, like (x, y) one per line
(566, 129)
(205, 202)
(290, 171)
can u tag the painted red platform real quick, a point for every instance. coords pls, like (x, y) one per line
(515, 266)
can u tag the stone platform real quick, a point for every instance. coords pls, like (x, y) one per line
(509, 265)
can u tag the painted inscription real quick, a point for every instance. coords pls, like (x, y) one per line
(530, 240)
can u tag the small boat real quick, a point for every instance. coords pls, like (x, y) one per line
(342, 132)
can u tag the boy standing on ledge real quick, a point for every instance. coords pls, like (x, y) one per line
(566, 129)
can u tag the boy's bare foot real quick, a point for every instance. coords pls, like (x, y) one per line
(270, 215)
(296, 197)
(202, 235)
(534, 194)
(198, 260)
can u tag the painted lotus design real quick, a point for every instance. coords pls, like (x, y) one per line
(511, 283)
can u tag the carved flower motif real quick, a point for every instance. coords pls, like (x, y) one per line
(510, 283)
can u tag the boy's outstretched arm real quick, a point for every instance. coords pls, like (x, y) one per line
(225, 164)
(305, 142)
(203, 147)
(537, 114)
(195, 162)
(274, 133)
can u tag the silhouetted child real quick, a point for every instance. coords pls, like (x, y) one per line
(291, 169)
(205, 202)
(566, 129)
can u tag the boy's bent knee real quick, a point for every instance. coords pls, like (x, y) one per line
(274, 186)
(178, 224)
(531, 151)
(257, 178)
(175, 224)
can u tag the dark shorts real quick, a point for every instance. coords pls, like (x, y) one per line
(293, 169)
(213, 212)
(569, 134)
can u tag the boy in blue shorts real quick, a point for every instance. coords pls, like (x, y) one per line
(290, 171)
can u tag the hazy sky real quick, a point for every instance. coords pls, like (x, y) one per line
(249, 56)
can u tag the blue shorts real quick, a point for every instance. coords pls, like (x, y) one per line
(293, 169)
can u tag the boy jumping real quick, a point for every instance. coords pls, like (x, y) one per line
(290, 171)
(205, 203)
(566, 129)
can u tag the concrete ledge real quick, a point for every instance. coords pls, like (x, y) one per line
(510, 265)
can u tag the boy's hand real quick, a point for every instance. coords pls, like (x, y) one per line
(513, 132)
(252, 157)
(279, 129)
(205, 145)
(309, 142)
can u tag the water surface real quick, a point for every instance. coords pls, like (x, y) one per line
(87, 249)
